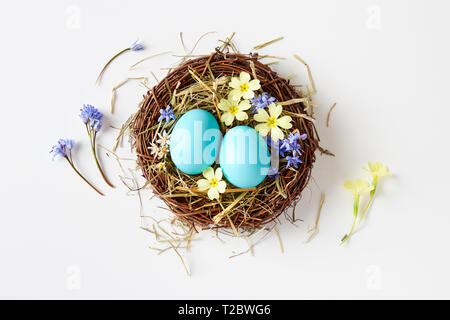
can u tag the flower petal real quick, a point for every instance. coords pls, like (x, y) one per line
(275, 110)
(248, 95)
(285, 122)
(227, 117)
(218, 174)
(234, 83)
(276, 134)
(261, 116)
(348, 185)
(263, 129)
(244, 105)
(254, 85)
(224, 105)
(235, 94)
(208, 173)
(244, 77)
(213, 193)
(203, 184)
(241, 116)
(221, 186)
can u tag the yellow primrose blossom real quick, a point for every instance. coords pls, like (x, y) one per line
(358, 187)
(243, 87)
(377, 169)
(271, 122)
(233, 109)
(213, 183)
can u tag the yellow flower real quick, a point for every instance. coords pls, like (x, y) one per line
(161, 166)
(271, 122)
(243, 87)
(377, 169)
(358, 187)
(212, 183)
(233, 109)
(163, 151)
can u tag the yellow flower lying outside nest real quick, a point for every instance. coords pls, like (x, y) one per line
(359, 187)
(271, 122)
(377, 169)
(213, 183)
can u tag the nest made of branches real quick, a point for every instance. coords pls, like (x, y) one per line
(198, 83)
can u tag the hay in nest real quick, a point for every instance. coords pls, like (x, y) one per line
(199, 83)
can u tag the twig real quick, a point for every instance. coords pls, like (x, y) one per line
(308, 70)
(329, 112)
(206, 191)
(262, 45)
(315, 229)
(149, 57)
(279, 239)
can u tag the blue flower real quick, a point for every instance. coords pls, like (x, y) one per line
(136, 46)
(62, 149)
(90, 114)
(166, 114)
(276, 145)
(292, 144)
(293, 161)
(262, 101)
(273, 172)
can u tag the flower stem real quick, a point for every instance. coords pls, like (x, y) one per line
(355, 216)
(372, 195)
(82, 177)
(108, 63)
(94, 151)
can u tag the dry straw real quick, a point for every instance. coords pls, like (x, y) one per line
(200, 83)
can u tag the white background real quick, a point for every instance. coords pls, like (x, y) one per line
(385, 63)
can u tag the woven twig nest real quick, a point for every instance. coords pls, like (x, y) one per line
(252, 209)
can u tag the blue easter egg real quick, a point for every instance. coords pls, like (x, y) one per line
(244, 157)
(195, 140)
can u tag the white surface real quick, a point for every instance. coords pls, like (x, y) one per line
(386, 65)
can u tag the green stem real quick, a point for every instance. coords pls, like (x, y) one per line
(372, 195)
(93, 135)
(355, 216)
(82, 177)
(108, 63)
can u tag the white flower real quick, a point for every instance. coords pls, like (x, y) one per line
(233, 109)
(243, 87)
(212, 183)
(164, 139)
(154, 149)
(270, 123)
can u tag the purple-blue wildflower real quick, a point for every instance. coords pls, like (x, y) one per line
(292, 144)
(262, 101)
(293, 161)
(62, 148)
(90, 115)
(92, 118)
(166, 114)
(277, 146)
(136, 46)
